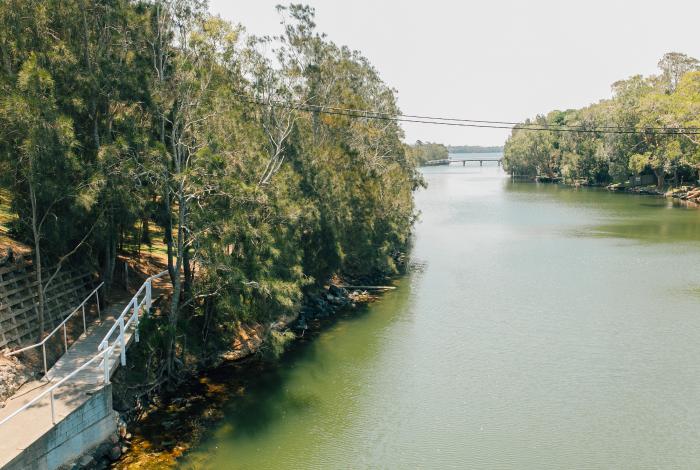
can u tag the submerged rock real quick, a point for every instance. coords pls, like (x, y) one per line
(337, 291)
(114, 453)
(86, 460)
(121, 428)
(103, 450)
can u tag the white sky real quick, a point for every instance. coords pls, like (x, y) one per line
(494, 59)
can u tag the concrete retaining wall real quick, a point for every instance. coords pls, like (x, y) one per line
(84, 428)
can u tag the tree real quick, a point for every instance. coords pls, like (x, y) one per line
(117, 115)
(685, 105)
(422, 152)
(51, 187)
(660, 111)
(532, 153)
(673, 66)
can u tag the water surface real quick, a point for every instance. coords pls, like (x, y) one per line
(543, 327)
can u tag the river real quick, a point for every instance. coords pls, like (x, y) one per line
(540, 327)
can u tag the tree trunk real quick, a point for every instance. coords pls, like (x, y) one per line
(106, 278)
(110, 260)
(145, 231)
(660, 179)
(186, 262)
(36, 232)
(177, 283)
(169, 236)
(95, 128)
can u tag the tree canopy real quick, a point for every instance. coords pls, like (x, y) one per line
(123, 115)
(422, 152)
(644, 105)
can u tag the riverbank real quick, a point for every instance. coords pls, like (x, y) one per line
(148, 421)
(689, 194)
(544, 324)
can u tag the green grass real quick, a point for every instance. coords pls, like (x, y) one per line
(157, 248)
(6, 217)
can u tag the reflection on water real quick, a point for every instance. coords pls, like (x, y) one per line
(317, 380)
(644, 218)
(547, 328)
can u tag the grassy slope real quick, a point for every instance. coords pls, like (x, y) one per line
(156, 252)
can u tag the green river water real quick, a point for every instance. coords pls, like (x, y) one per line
(540, 327)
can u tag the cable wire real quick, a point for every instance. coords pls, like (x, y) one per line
(474, 123)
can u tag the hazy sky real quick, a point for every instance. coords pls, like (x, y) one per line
(494, 59)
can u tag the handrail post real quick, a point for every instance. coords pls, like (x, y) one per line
(136, 320)
(105, 358)
(53, 412)
(84, 324)
(43, 350)
(149, 298)
(122, 341)
(65, 337)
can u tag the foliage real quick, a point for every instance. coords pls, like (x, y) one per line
(278, 342)
(640, 104)
(422, 152)
(121, 114)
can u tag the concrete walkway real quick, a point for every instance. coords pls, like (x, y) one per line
(32, 423)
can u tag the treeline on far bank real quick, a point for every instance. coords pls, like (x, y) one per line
(670, 99)
(422, 152)
(120, 117)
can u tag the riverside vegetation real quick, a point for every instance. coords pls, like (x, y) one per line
(670, 99)
(422, 152)
(124, 119)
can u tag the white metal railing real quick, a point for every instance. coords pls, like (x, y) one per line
(49, 391)
(80, 307)
(134, 306)
(105, 350)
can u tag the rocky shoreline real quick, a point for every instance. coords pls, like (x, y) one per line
(122, 449)
(684, 193)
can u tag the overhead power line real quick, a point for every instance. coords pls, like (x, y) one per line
(457, 122)
(481, 121)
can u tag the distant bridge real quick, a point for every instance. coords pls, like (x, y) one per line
(463, 161)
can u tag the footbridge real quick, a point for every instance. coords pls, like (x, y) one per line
(55, 419)
(463, 161)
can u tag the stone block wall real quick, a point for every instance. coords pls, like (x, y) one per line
(19, 313)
